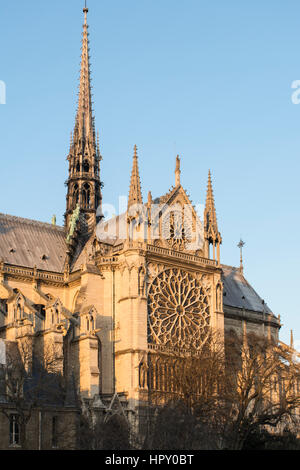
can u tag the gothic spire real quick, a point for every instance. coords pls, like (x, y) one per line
(84, 124)
(210, 211)
(135, 193)
(212, 235)
(84, 185)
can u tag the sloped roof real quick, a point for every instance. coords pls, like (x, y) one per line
(29, 243)
(239, 293)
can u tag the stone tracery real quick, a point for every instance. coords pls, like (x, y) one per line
(178, 310)
(176, 228)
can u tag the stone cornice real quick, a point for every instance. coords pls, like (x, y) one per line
(30, 274)
(187, 258)
(26, 274)
(251, 316)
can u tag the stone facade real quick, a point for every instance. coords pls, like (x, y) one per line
(109, 294)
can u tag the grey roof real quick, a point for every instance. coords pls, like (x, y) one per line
(30, 243)
(238, 292)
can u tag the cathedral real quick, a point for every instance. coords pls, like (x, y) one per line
(110, 294)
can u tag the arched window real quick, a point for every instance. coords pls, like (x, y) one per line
(19, 311)
(14, 430)
(86, 166)
(78, 167)
(86, 196)
(57, 315)
(75, 195)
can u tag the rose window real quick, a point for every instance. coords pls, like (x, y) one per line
(178, 310)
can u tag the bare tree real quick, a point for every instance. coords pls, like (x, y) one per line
(210, 400)
(184, 391)
(260, 388)
(101, 431)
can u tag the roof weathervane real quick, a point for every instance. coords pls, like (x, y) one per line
(240, 245)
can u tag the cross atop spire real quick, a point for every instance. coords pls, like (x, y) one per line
(135, 193)
(240, 245)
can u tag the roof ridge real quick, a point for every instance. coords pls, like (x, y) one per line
(30, 221)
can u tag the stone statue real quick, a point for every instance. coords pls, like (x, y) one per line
(73, 222)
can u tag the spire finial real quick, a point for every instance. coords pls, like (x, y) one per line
(177, 171)
(85, 11)
(240, 245)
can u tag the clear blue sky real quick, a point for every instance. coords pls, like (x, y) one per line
(210, 80)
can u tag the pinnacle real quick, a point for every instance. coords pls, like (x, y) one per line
(135, 193)
(210, 205)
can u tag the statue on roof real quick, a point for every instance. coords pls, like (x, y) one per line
(73, 222)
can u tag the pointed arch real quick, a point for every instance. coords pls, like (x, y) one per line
(75, 195)
(86, 196)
